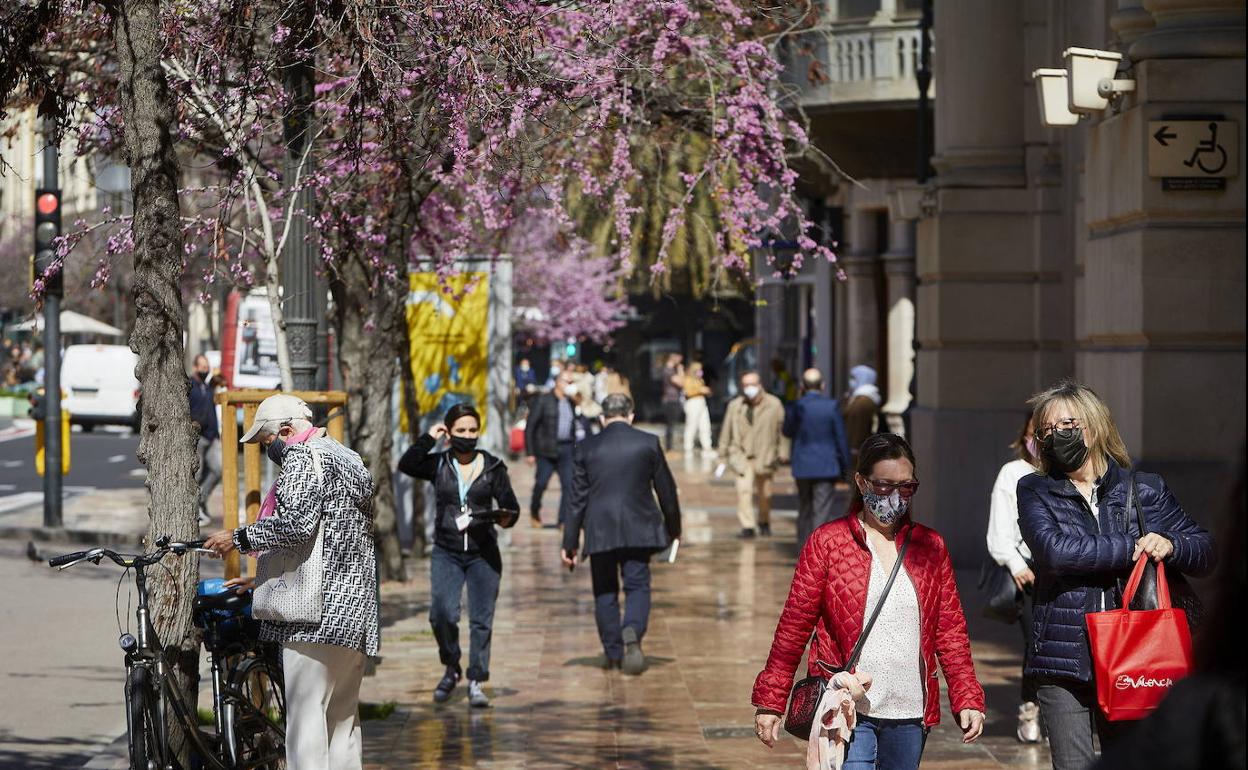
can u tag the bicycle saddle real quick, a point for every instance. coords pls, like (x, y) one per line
(227, 602)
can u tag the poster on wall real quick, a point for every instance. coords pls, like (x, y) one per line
(449, 333)
(255, 345)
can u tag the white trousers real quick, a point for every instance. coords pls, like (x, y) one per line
(697, 424)
(323, 706)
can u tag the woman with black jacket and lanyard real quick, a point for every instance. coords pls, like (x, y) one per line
(1076, 517)
(473, 493)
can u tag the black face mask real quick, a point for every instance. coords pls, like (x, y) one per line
(276, 450)
(462, 444)
(1065, 450)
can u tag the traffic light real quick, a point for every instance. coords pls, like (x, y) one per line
(47, 230)
(569, 350)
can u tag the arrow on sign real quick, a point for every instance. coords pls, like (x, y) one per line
(1162, 135)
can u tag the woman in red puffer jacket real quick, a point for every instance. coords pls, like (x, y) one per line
(840, 575)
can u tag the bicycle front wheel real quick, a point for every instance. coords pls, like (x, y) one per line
(255, 716)
(142, 727)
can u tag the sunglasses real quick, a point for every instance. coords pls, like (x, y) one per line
(885, 488)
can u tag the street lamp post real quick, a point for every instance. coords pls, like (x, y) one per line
(299, 282)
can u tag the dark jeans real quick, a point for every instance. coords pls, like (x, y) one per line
(448, 572)
(606, 570)
(1071, 715)
(672, 412)
(815, 498)
(547, 467)
(886, 744)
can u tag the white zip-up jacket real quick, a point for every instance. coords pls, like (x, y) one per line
(1005, 541)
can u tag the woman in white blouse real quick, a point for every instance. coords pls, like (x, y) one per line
(1006, 546)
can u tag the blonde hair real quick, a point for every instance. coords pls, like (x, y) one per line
(1100, 433)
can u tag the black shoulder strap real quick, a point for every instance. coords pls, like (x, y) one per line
(1133, 503)
(879, 605)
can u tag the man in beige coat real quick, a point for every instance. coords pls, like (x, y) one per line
(753, 447)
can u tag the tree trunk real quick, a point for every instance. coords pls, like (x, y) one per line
(366, 353)
(167, 443)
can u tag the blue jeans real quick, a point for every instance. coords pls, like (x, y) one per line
(606, 570)
(886, 744)
(448, 571)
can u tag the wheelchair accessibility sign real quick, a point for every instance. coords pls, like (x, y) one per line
(1193, 154)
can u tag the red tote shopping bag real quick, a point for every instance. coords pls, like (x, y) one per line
(1138, 655)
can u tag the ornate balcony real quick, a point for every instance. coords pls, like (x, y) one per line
(854, 62)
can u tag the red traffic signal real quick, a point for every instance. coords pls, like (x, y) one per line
(47, 203)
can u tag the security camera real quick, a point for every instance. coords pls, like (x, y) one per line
(1090, 83)
(1051, 94)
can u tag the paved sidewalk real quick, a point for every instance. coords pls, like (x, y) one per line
(714, 613)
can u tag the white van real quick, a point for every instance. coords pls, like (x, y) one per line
(100, 385)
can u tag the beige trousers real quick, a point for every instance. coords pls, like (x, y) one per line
(322, 706)
(749, 485)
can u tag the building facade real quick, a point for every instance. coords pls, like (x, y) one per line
(1035, 253)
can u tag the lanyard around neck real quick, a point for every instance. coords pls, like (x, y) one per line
(466, 483)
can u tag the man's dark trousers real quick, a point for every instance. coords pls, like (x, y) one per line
(815, 498)
(548, 466)
(672, 412)
(607, 569)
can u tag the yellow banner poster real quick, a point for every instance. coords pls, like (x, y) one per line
(449, 334)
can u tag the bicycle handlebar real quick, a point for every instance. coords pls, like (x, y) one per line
(164, 546)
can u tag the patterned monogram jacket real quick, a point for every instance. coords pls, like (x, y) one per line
(342, 502)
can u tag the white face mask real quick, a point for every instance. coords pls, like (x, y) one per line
(751, 391)
(524, 367)
(569, 390)
(554, 371)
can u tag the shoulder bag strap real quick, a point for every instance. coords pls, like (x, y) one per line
(1133, 503)
(879, 605)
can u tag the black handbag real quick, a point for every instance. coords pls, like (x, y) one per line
(1182, 596)
(806, 694)
(1002, 599)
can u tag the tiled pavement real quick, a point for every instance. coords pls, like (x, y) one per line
(713, 616)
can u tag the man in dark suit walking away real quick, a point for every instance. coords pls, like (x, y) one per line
(617, 475)
(820, 455)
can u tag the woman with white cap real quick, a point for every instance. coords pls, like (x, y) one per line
(322, 487)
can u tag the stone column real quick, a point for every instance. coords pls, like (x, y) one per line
(862, 341)
(1192, 29)
(1130, 21)
(980, 261)
(899, 273)
(1162, 333)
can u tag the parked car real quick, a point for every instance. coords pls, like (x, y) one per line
(100, 385)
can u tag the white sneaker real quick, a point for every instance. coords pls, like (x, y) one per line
(476, 696)
(1029, 723)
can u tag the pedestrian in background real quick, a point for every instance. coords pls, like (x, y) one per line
(1083, 539)
(1007, 548)
(782, 383)
(466, 481)
(697, 414)
(617, 382)
(526, 379)
(203, 386)
(753, 447)
(840, 577)
(549, 435)
(322, 486)
(588, 407)
(672, 389)
(820, 454)
(862, 407)
(619, 472)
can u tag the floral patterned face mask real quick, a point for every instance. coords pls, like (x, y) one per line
(886, 509)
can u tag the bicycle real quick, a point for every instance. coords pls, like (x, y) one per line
(249, 707)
